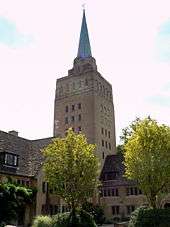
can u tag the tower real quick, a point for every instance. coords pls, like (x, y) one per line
(84, 101)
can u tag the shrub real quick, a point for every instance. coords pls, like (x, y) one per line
(60, 220)
(96, 211)
(79, 219)
(143, 217)
(42, 221)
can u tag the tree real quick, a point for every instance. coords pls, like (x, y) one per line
(13, 199)
(147, 157)
(71, 167)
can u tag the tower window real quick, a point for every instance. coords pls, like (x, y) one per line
(102, 130)
(79, 106)
(66, 109)
(103, 155)
(72, 107)
(79, 117)
(72, 118)
(109, 134)
(105, 132)
(106, 144)
(109, 146)
(102, 143)
(66, 120)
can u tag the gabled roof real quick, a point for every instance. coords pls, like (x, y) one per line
(113, 164)
(29, 152)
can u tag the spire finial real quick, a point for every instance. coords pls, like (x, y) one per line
(84, 50)
(84, 6)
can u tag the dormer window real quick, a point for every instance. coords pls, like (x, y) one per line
(9, 159)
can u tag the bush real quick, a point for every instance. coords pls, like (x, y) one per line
(96, 211)
(60, 220)
(42, 221)
(143, 217)
(79, 219)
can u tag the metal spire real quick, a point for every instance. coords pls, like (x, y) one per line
(84, 50)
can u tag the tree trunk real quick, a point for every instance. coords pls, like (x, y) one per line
(153, 201)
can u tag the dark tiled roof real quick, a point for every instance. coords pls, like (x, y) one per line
(29, 152)
(114, 165)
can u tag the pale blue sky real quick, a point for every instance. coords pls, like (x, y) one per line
(130, 41)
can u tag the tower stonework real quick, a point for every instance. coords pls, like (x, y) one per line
(84, 101)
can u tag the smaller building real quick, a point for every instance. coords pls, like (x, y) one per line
(118, 196)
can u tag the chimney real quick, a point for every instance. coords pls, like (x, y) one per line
(13, 132)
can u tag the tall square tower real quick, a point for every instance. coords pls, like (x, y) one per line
(84, 101)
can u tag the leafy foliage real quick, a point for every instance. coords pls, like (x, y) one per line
(12, 198)
(96, 211)
(147, 157)
(143, 217)
(42, 221)
(72, 168)
(78, 218)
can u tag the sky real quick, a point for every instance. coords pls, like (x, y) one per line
(130, 41)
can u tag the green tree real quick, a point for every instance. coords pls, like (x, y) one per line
(72, 168)
(147, 157)
(13, 199)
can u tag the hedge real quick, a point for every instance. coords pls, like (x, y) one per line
(147, 217)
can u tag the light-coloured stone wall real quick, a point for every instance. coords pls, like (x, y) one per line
(86, 86)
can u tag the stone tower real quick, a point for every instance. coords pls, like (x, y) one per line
(84, 101)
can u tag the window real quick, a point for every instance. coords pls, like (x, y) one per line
(109, 134)
(136, 191)
(72, 107)
(131, 191)
(56, 209)
(66, 120)
(105, 192)
(79, 106)
(117, 192)
(79, 129)
(103, 155)
(130, 209)
(106, 144)
(66, 109)
(140, 192)
(108, 192)
(102, 143)
(105, 132)
(79, 117)
(102, 130)
(115, 210)
(11, 159)
(72, 118)
(109, 146)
